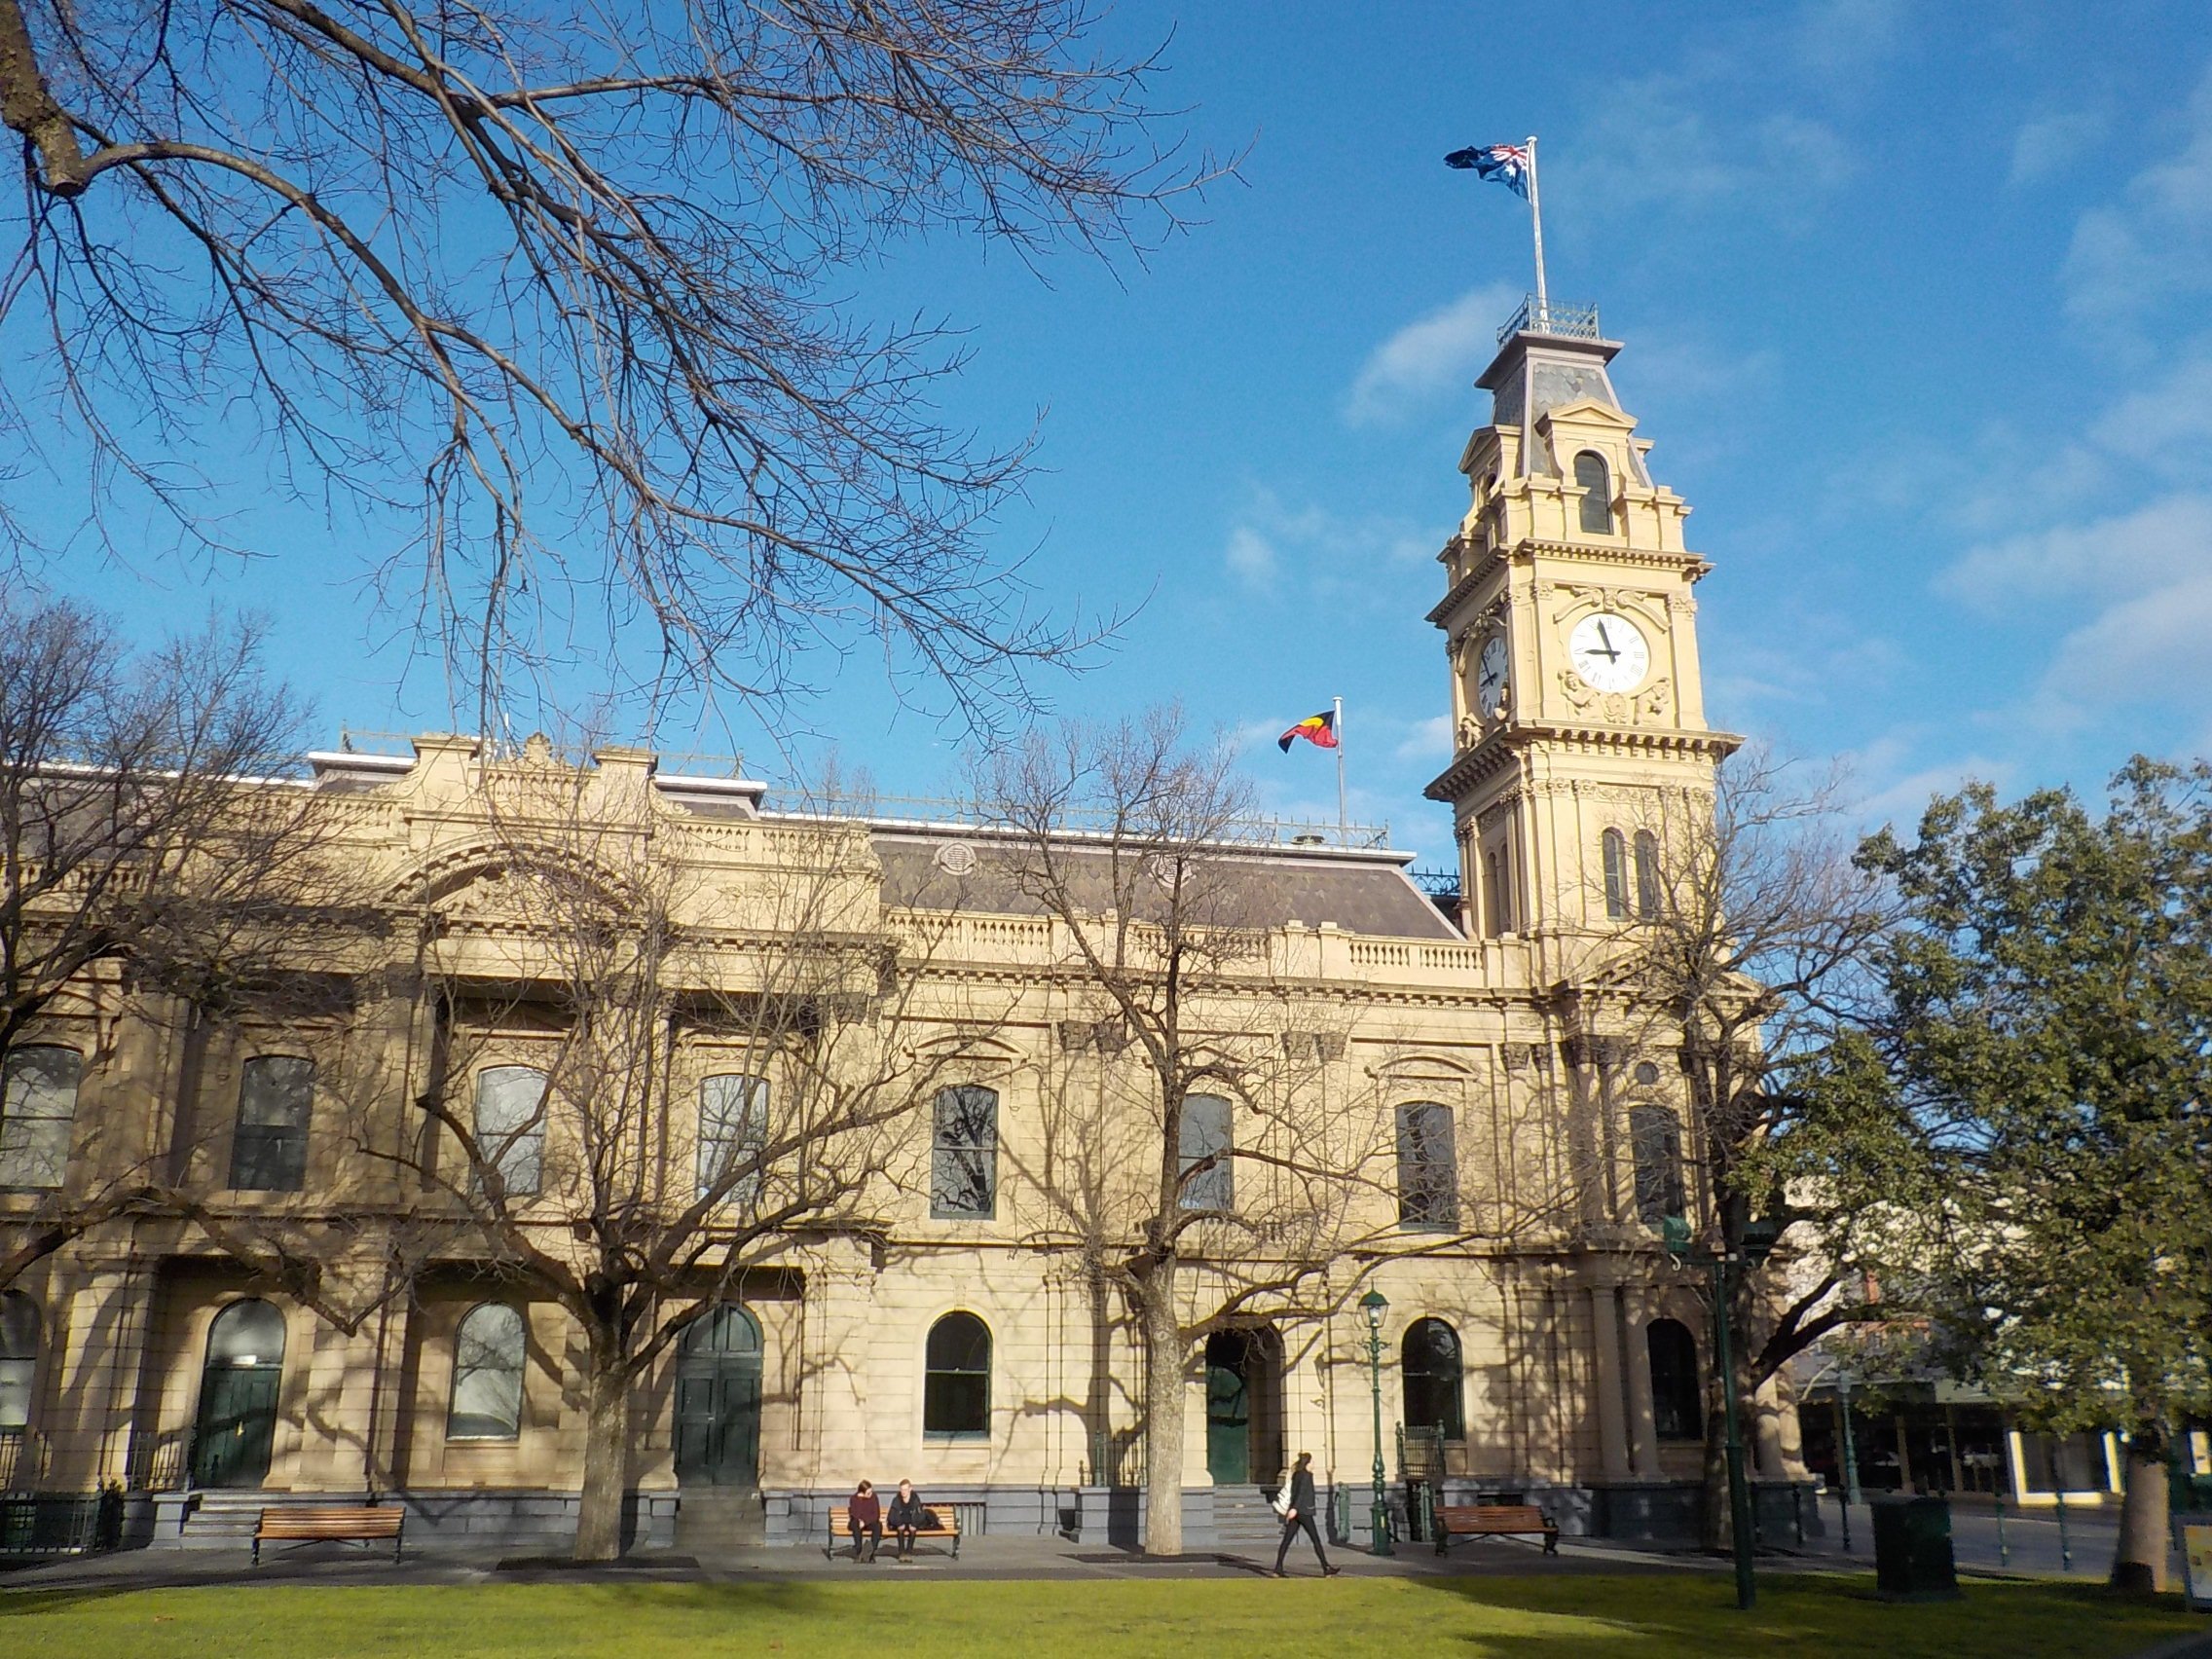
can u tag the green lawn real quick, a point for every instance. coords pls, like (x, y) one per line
(1646, 1616)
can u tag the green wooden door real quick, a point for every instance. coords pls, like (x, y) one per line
(717, 1401)
(238, 1422)
(1228, 1411)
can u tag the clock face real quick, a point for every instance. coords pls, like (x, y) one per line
(1608, 651)
(1490, 676)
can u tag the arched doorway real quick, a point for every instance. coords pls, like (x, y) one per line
(236, 1424)
(1243, 1407)
(717, 1400)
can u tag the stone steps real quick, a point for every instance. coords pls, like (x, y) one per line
(714, 1520)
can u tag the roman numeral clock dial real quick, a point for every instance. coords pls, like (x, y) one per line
(1608, 651)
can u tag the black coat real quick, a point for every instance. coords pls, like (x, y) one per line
(908, 1512)
(1302, 1496)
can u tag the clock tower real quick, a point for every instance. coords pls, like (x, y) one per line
(1577, 707)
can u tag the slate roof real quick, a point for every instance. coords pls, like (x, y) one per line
(1362, 892)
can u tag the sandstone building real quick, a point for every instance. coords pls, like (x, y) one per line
(1535, 1339)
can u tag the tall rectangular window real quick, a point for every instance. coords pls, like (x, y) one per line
(1655, 1136)
(268, 1149)
(733, 1127)
(1204, 1142)
(510, 1125)
(38, 1103)
(964, 1155)
(1428, 1167)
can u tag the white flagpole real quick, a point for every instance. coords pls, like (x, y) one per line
(1536, 216)
(1344, 830)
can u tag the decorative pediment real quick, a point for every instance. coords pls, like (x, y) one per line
(1586, 412)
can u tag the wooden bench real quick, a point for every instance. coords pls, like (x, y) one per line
(1494, 1520)
(944, 1523)
(350, 1523)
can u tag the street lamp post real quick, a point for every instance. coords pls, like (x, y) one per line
(1725, 1265)
(1850, 1453)
(1375, 1303)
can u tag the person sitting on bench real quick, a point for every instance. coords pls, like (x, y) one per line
(865, 1514)
(907, 1517)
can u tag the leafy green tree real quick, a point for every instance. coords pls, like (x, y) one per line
(2049, 1021)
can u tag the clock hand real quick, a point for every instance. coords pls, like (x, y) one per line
(1611, 654)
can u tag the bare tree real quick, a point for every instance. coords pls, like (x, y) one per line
(1746, 934)
(645, 1082)
(143, 857)
(549, 282)
(1202, 1170)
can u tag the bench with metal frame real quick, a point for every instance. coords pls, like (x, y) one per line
(1494, 1520)
(346, 1523)
(944, 1523)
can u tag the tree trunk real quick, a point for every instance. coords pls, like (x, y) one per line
(1715, 1533)
(1164, 1393)
(607, 1457)
(2139, 1560)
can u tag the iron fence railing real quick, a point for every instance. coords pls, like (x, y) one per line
(1554, 318)
(22, 1461)
(68, 1524)
(158, 1460)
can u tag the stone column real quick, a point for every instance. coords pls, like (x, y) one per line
(99, 1352)
(1642, 1423)
(1612, 1427)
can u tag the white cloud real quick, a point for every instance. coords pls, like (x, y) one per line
(2051, 143)
(1434, 354)
(2154, 245)
(1429, 740)
(1712, 151)
(1845, 37)
(1320, 546)
(1251, 557)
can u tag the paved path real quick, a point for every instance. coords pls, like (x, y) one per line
(2030, 1545)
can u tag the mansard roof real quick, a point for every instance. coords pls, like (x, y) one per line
(1360, 889)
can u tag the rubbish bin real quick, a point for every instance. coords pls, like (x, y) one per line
(1912, 1549)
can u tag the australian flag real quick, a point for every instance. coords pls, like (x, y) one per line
(1507, 164)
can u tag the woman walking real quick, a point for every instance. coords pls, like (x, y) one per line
(1299, 1503)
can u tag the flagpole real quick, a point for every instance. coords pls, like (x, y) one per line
(1536, 217)
(1344, 831)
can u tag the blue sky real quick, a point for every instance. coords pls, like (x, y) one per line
(1915, 308)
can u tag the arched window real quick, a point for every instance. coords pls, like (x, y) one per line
(964, 1155)
(1674, 1395)
(1655, 1136)
(487, 1375)
(510, 1125)
(38, 1102)
(956, 1385)
(268, 1149)
(1429, 1361)
(1646, 874)
(1428, 1167)
(1615, 849)
(1597, 493)
(19, 1359)
(733, 1129)
(249, 1333)
(1206, 1146)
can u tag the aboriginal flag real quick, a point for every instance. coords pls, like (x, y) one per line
(1320, 731)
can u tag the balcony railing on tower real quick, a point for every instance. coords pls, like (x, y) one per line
(1560, 320)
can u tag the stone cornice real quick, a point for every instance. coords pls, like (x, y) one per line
(1470, 766)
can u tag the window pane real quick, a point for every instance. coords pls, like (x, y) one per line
(964, 1160)
(36, 1108)
(1646, 874)
(956, 1385)
(1432, 1369)
(246, 1333)
(19, 1358)
(487, 1375)
(733, 1127)
(1428, 1177)
(1616, 874)
(1598, 501)
(269, 1153)
(1674, 1407)
(510, 1124)
(1206, 1134)
(1655, 1137)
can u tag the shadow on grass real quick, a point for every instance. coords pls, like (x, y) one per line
(1809, 1616)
